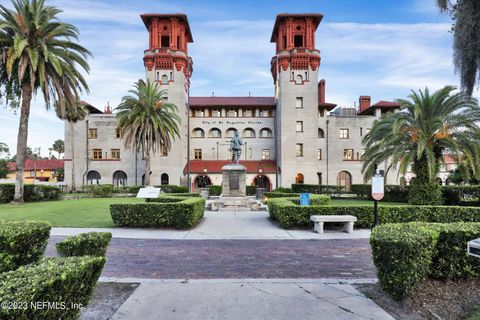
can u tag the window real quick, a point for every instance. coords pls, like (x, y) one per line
(32, 173)
(299, 79)
(164, 79)
(321, 113)
(115, 153)
(92, 133)
(213, 153)
(299, 103)
(232, 113)
(344, 134)
(248, 133)
(265, 113)
(230, 132)
(163, 151)
(215, 133)
(319, 154)
(361, 131)
(199, 113)
(119, 179)
(298, 41)
(198, 133)
(299, 126)
(299, 149)
(164, 179)
(165, 41)
(97, 154)
(265, 154)
(215, 113)
(348, 154)
(266, 133)
(321, 134)
(248, 113)
(118, 133)
(198, 154)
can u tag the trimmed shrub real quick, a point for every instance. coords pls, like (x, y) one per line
(281, 195)
(361, 190)
(186, 194)
(283, 190)
(251, 190)
(170, 188)
(317, 189)
(22, 243)
(393, 193)
(66, 284)
(85, 244)
(175, 212)
(291, 215)
(425, 193)
(214, 190)
(32, 192)
(127, 189)
(99, 190)
(402, 254)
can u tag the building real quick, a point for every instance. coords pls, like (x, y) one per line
(40, 170)
(295, 136)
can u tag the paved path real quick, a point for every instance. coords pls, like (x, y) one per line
(224, 225)
(213, 259)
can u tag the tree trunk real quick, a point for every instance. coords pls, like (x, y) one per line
(147, 170)
(22, 140)
(73, 188)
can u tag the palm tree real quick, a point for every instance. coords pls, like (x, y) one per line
(40, 53)
(72, 114)
(148, 121)
(466, 39)
(427, 127)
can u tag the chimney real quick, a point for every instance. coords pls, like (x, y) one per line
(321, 91)
(364, 102)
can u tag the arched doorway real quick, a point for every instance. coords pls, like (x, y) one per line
(202, 181)
(299, 178)
(119, 179)
(164, 179)
(344, 179)
(262, 181)
(93, 177)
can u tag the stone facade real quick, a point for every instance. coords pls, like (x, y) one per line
(293, 137)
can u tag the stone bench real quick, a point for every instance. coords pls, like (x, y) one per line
(320, 220)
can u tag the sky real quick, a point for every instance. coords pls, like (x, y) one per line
(378, 48)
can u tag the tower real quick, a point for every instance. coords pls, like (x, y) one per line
(295, 73)
(167, 63)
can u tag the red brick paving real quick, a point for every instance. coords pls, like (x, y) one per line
(219, 259)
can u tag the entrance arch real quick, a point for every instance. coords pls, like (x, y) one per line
(119, 178)
(164, 179)
(202, 181)
(93, 177)
(344, 179)
(299, 178)
(262, 181)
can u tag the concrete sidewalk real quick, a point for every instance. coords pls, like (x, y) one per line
(223, 225)
(243, 299)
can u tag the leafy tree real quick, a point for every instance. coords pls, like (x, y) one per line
(3, 168)
(466, 39)
(59, 147)
(148, 121)
(39, 53)
(4, 147)
(427, 127)
(60, 174)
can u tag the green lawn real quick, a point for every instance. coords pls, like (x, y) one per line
(68, 213)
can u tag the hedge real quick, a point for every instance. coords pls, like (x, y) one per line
(317, 189)
(315, 200)
(214, 190)
(251, 190)
(85, 244)
(291, 215)
(53, 289)
(127, 189)
(393, 193)
(22, 243)
(99, 190)
(406, 254)
(170, 188)
(178, 213)
(31, 192)
(283, 190)
(186, 194)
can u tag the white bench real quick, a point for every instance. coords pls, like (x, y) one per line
(320, 220)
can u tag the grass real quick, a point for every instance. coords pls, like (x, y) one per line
(86, 213)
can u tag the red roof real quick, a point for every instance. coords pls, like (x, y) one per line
(386, 105)
(147, 16)
(316, 17)
(215, 166)
(450, 159)
(40, 164)
(232, 101)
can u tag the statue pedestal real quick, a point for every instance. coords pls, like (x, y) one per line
(234, 181)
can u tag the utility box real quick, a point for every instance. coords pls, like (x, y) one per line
(473, 248)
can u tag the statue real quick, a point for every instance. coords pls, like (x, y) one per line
(236, 146)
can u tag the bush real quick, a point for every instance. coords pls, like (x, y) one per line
(283, 190)
(172, 212)
(281, 195)
(425, 193)
(99, 190)
(127, 189)
(251, 190)
(214, 190)
(85, 244)
(22, 243)
(169, 188)
(393, 193)
(32, 192)
(317, 189)
(405, 254)
(291, 215)
(65, 283)
(361, 190)
(186, 194)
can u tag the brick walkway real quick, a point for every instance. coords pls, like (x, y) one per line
(219, 259)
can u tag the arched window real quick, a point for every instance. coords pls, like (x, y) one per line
(93, 177)
(164, 79)
(164, 179)
(215, 133)
(198, 133)
(321, 134)
(266, 133)
(299, 178)
(248, 133)
(299, 79)
(229, 133)
(119, 179)
(344, 179)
